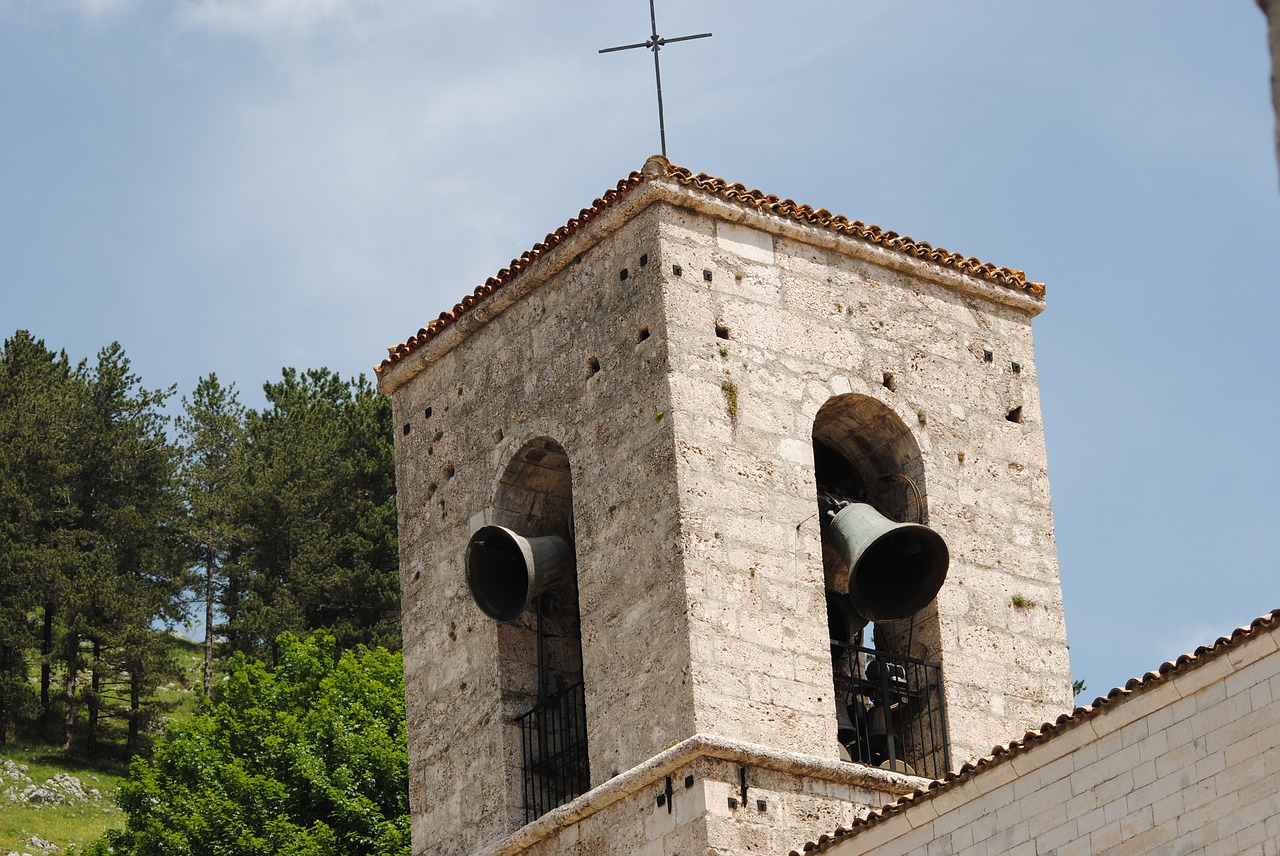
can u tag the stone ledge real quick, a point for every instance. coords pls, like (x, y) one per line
(685, 752)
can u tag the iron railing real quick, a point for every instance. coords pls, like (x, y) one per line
(890, 711)
(553, 740)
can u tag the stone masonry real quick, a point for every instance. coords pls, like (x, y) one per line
(648, 383)
(1271, 8)
(1185, 761)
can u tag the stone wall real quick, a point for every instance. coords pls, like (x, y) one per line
(766, 326)
(1188, 766)
(676, 353)
(459, 424)
(1271, 8)
(690, 799)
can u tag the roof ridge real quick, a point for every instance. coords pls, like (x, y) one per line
(658, 167)
(1065, 722)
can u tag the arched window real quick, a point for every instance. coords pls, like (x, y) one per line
(541, 650)
(889, 702)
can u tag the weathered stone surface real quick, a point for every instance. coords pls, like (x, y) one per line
(1271, 9)
(1194, 760)
(684, 395)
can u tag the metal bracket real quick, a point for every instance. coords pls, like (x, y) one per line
(665, 798)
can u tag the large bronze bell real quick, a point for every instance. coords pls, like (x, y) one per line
(895, 569)
(506, 571)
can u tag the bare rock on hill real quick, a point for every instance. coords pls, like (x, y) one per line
(58, 789)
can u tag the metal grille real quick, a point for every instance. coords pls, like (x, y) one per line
(553, 739)
(890, 711)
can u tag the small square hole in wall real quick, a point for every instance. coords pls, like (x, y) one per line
(593, 366)
(889, 383)
(987, 356)
(1015, 415)
(427, 412)
(1017, 368)
(722, 332)
(643, 334)
(622, 274)
(706, 275)
(644, 260)
(677, 270)
(449, 471)
(407, 429)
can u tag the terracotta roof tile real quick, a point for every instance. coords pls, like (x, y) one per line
(1065, 722)
(658, 168)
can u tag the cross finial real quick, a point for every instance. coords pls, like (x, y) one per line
(655, 43)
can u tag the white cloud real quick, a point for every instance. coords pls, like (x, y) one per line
(267, 19)
(1189, 636)
(102, 8)
(92, 10)
(272, 18)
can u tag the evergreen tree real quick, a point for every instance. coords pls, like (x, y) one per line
(317, 510)
(132, 563)
(37, 469)
(288, 514)
(212, 430)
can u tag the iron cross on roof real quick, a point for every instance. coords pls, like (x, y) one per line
(655, 43)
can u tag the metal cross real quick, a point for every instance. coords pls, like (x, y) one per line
(655, 43)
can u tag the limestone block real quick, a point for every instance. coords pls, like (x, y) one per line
(694, 508)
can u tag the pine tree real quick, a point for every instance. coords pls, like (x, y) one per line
(37, 469)
(132, 567)
(212, 433)
(318, 513)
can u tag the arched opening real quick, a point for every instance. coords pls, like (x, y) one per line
(541, 649)
(872, 501)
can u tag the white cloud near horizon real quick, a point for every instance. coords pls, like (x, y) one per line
(91, 10)
(103, 8)
(269, 17)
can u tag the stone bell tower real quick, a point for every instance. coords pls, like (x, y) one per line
(673, 394)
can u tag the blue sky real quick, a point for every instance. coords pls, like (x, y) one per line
(233, 186)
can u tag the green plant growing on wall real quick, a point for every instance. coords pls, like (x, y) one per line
(1020, 602)
(730, 390)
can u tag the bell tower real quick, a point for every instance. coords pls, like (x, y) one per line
(721, 519)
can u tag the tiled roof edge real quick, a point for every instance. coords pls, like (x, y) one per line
(821, 217)
(1101, 705)
(658, 167)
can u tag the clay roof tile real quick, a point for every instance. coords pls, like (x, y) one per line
(1065, 722)
(660, 169)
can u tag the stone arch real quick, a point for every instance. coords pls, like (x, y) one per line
(535, 493)
(864, 452)
(859, 444)
(534, 498)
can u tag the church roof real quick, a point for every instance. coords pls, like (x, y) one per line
(658, 168)
(1000, 754)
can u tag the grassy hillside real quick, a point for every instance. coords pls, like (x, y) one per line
(72, 816)
(66, 814)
